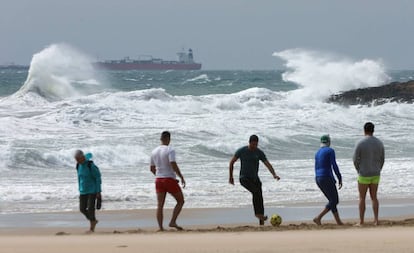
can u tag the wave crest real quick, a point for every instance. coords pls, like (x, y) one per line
(321, 74)
(59, 71)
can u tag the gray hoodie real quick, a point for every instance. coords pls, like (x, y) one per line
(369, 156)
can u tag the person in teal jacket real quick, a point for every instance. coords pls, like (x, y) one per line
(89, 181)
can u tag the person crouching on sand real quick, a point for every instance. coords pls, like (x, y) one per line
(249, 157)
(89, 180)
(325, 162)
(165, 168)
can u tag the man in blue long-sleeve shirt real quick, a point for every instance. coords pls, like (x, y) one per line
(89, 180)
(325, 162)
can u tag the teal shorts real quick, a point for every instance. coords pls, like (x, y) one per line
(369, 180)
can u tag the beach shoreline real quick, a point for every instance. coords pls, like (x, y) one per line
(391, 210)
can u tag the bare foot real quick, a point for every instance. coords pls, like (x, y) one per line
(93, 225)
(376, 223)
(160, 230)
(359, 224)
(340, 223)
(173, 225)
(317, 221)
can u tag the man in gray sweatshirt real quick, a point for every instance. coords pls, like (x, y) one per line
(368, 161)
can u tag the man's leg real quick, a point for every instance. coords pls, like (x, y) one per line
(255, 189)
(83, 205)
(318, 218)
(247, 184)
(362, 188)
(333, 198)
(258, 200)
(91, 206)
(177, 209)
(373, 189)
(337, 218)
(325, 185)
(161, 200)
(91, 211)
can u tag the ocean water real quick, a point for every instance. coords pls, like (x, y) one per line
(62, 104)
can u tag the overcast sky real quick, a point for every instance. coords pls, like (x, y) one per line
(224, 34)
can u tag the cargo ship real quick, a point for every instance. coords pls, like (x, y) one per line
(185, 62)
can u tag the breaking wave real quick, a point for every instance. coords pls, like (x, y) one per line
(60, 71)
(320, 74)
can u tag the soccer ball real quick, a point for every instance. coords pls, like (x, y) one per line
(275, 220)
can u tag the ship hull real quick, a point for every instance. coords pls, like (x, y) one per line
(147, 66)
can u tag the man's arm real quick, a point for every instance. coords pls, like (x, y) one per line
(231, 168)
(98, 180)
(271, 170)
(178, 172)
(336, 168)
(382, 156)
(77, 174)
(153, 169)
(356, 158)
(152, 165)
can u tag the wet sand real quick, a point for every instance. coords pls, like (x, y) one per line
(200, 217)
(211, 230)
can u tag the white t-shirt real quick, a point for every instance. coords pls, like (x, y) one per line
(161, 158)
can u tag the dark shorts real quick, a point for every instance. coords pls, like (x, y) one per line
(169, 185)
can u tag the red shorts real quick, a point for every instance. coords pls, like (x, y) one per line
(167, 184)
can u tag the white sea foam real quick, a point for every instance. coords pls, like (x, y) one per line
(88, 82)
(131, 79)
(121, 128)
(321, 74)
(203, 78)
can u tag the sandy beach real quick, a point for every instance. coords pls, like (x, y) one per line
(392, 236)
(135, 231)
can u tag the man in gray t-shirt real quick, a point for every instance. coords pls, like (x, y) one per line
(368, 161)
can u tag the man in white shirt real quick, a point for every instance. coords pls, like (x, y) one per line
(165, 169)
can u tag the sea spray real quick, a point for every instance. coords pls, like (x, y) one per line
(60, 71)
(321, 74)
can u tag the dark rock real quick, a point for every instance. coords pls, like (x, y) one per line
(393, 92)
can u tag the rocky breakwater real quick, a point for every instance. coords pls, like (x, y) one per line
(393, 92)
